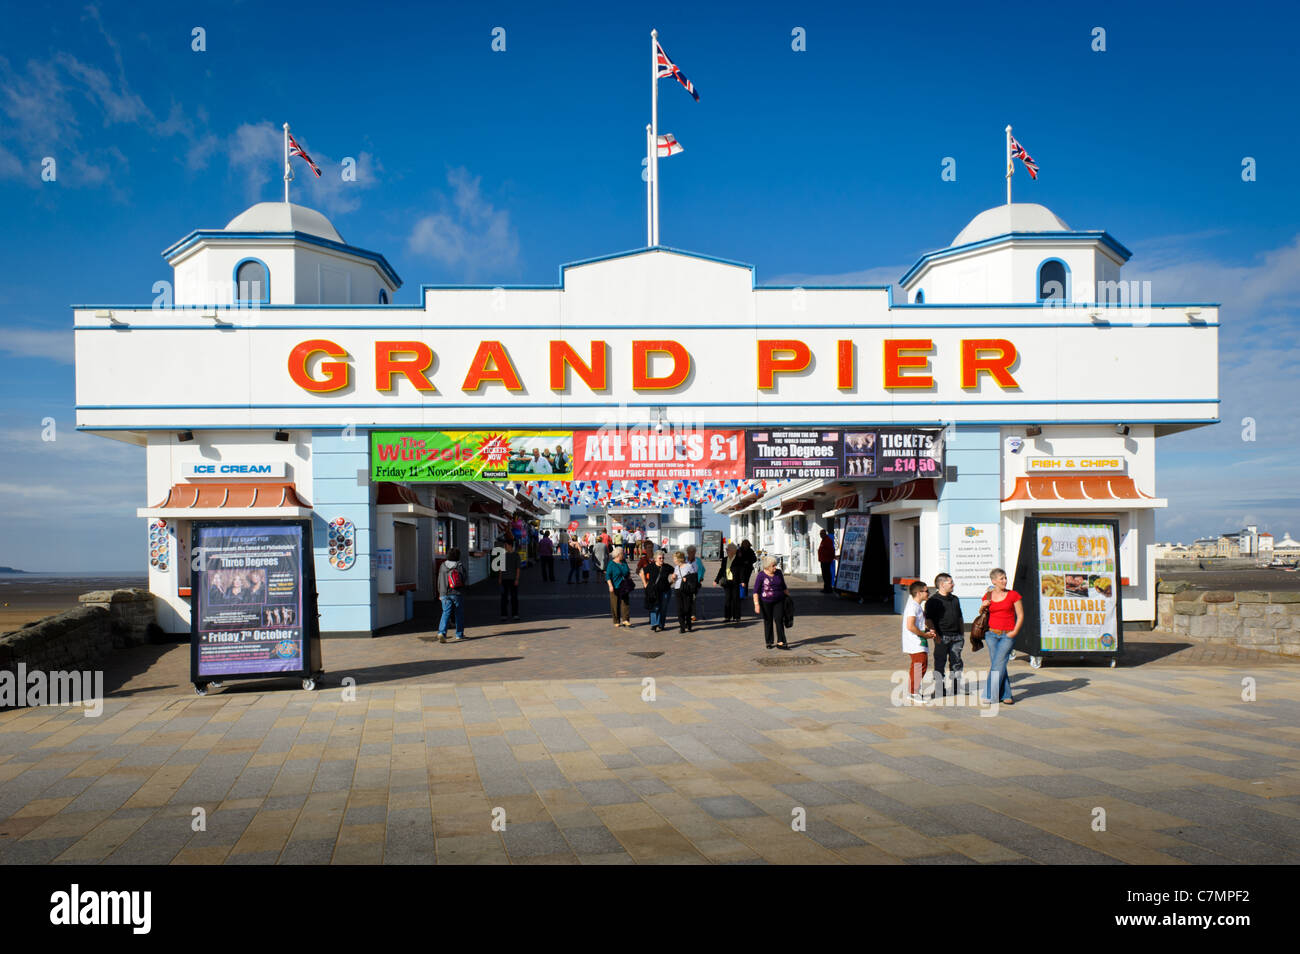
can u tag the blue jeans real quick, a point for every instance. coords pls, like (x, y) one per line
(659, 609)
(456, 602)
(1000, 647)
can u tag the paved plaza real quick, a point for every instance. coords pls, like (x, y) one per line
(541, 741)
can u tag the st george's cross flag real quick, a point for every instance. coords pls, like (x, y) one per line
(1018, 152)
(669, 146)
(668, 68)
(297, 150)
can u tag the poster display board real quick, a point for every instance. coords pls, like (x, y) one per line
(1068, 574)
(254, 601)
(792, 454)
(434, 456)
(974, 550)
(795, 454)
(711, 545)
(852, 552)
(638, 454)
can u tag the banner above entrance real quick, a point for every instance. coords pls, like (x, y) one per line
(471, 455)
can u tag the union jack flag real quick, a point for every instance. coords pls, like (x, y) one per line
(1018, 152)
(297, 150)
(668, 68)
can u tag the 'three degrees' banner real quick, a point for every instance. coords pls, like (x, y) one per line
(1076, 578)
(792, 454)
(636, 454)
(248, 597)
(471, 455)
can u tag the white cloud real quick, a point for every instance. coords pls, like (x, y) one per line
(468, 233)
(38, 343)
(256, 154)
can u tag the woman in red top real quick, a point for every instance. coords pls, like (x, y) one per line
(1006, 616)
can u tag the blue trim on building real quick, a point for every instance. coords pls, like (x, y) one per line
(231, 326)
(1105, 238)
(220, 236)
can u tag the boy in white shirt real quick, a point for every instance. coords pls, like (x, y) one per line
(914, 641)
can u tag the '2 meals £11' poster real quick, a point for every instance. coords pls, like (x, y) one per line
(1078, 587)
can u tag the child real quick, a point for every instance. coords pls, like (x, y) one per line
(914, 642)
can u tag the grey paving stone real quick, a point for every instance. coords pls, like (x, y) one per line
(33, 851)
(544, 775)
(810, 794)
(607, 792)
(534, 839)
(437, 738)
(254, 782)
(829, 835)
(308, 851)
(948, 859)
(366, 815)
(620, 760)
(506, 784)
(656, 754)
(729, 806)
(592, 840)
(252, 858)
(558, 735)
(521, 737)
(1231, 845)
(649, 786)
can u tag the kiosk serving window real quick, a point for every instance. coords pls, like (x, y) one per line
(405, 553)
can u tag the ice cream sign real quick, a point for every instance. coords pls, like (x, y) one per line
(232, 470)
(1060, 465)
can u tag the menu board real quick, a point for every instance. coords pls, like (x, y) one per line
(1078, 586)
(711, 545)
(852, 552)
(973, 553)
(253, 612)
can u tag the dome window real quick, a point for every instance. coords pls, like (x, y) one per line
(920, 297)
(1053, 281)
(252, 282)
(383, 296)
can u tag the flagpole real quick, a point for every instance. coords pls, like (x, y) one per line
(654, 137)
(1010, 167)
(649, 183)
(288, 172)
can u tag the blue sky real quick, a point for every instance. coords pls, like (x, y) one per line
(487, 166)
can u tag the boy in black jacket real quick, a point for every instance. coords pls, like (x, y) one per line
(943, 615)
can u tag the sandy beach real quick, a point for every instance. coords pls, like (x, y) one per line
(27, 597)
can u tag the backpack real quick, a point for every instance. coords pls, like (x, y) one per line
(455, 579)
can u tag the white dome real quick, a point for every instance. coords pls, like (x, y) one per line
(284, 217)
(1018, 217)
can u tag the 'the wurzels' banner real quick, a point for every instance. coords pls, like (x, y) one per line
(471, 455)
(1078, 586)
(636, 454)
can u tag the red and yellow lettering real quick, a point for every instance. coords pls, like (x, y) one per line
(800, 356)
(641, 379)
(594, 375)
(844, 364)
(896, 362)
(999, 365)
(338, 374)
(386, 365)
(491, 363)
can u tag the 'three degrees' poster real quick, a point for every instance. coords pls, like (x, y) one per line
(1076, 577)
(248, 594)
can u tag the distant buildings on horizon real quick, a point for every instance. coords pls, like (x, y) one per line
(1248, 542)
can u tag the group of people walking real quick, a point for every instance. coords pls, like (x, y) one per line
(669, 582)
(936, 617)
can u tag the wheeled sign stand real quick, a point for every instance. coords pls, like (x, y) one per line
(222, 615)
(1069, 578)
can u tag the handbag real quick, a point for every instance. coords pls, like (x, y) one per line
(979, 628)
